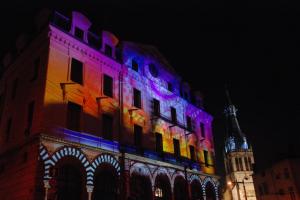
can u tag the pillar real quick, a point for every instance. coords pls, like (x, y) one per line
(89, 189)
(47, 187)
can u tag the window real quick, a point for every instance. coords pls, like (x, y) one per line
(173, 115)
(107, 126)
(77, 71)
(170, 87)
(156, 107)
(189, 123)
(286, 173)
(159, 143)
(237, 164)
(176, 148)
(108, 50)
(246, 163)
(73, 116)
(79, 33)
(153, 70)
(14, 89)
(8, 129)
(138, 133)
(202, 128)
(205, 157)
(192, 152)
(30, 111)
(35, 70)
(107, 85)
(134, 65)
(137, 98)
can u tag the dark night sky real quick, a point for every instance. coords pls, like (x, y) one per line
(252, 45)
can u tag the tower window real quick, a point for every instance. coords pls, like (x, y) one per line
(107, 126)
(241, 164)
(176, 148)
(202, 128)
(192, 152)
(246, 163)
(14, 89)
(79, 33)
(73, 116)
(173, 115)
(35, 70)
(159, 143)
(108, 50)
(30, 112)
(77, 71)
(205, 157)
(137, 98)
(237, 164)
(8, 129)
(107, 85)
(134, 65)
(156, 107)
(189, 123)
(138, 134)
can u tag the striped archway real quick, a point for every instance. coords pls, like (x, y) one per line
(103, 158)
(208, 180)
(44, 155)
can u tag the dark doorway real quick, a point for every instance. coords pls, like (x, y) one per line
(180, 189)
(196, 190)
(106, 183)
(140, 187)
(162, 188)
(210, 191)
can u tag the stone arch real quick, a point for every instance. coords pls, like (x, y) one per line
(175, 175)
(44, 155)
(103, 158)
(208, 180)
(142, 169)
(163, 171)
(196, 187)
(73, 152)
(195, 177)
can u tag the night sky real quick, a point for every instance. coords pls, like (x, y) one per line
(251, 45)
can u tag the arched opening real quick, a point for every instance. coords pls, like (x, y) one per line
(196, 190)
(180, 188)
(106, 183)
(162, 188)
(140, 187)
(210, 191)
(68, 180)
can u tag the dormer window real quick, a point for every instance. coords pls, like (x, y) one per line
(153, 70)
(79, 33)
(134, 65)
(170, 87)
(108, 50)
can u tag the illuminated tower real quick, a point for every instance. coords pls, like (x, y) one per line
(238, 158)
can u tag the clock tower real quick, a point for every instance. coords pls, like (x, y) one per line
(238, 158)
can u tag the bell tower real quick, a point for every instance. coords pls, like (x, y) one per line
(238, 158)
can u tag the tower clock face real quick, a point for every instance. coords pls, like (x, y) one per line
(153, 70)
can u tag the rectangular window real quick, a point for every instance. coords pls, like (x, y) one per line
(8, 129)
(108, 50)
(107, 126)
(237, 166)
(246, 163)
(77, 71)
(173, 115)
(73, 116)
(159, 143)
(192, 152)
(137, 98)
(134, 65)
(79, 33)
(156, 107)
(205, 157)
(176, 148)
(189, 123)
(138, 134)
(107, 85)
(202, 129)
(170, 87)
(30, 112)
(35, 69)
(14, 89)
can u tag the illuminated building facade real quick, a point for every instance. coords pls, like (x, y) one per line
(86, 116)
(238, 158)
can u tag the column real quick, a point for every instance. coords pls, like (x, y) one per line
(47, 187)
(89, 189)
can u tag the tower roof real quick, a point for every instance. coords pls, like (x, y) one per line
(235, 138)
